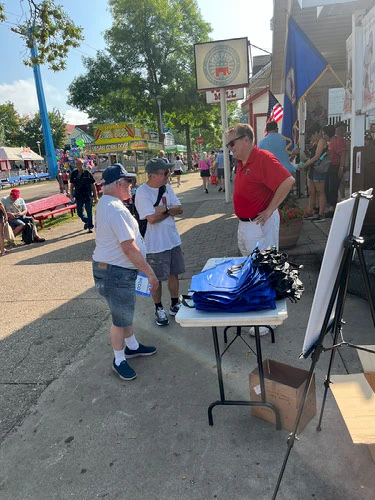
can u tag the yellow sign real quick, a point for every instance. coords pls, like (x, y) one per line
(123, 146)
(113, 133)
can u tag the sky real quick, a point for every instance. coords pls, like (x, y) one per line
(240, 19)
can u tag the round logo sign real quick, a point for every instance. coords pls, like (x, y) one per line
(200, 140)
(221, 65)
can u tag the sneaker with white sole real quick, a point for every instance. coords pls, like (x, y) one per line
(124, 371)
(161, 317)
(263, 330)
(143, 350)
(174, 309)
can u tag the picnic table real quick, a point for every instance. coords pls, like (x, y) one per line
(50, 206)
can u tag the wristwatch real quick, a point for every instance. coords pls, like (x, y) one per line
(166, 209)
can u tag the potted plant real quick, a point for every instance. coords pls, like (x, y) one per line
(291, 220)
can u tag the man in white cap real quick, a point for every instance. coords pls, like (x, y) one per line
(156, 202)
(118, 255)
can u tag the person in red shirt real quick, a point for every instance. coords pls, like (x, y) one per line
(337, 153)
(261, 184)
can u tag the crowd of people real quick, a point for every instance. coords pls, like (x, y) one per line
(264, 177)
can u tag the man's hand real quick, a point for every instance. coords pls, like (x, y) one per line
(263, 216)
(154, 282)
(11, 216)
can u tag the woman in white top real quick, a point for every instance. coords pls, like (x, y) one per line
(178, 169)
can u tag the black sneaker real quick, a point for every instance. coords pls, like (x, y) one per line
(124, 371)
(320, 218)
(85, 226)
(161, 317)
(143, 350)
(174, 309)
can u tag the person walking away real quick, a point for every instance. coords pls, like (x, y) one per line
(83, 189)
(178, 169)
(276, 144)
(337, 153)
(65, 178)
(315, 180)
(260, 185)
(204, 165)
(16, 210)
(119, 254)
(220, 170)
(163, 243)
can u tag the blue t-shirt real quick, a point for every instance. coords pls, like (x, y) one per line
(275, 144)
(220, 160)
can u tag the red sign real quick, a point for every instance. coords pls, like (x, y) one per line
(199, 140)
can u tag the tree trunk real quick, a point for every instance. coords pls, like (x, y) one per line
(188, 146)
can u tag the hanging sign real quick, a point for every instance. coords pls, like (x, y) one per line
(221, 64)
(213, 96)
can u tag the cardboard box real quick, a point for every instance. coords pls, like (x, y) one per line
(355, 397)
(284, 389)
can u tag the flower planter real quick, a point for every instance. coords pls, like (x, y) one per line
(289, 233)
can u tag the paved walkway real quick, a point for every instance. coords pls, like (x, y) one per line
(71, 429)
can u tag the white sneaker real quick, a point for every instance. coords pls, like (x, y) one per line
(263, 330)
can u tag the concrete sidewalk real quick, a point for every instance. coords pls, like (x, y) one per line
(71, 429)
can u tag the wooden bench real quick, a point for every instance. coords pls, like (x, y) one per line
(50, 206)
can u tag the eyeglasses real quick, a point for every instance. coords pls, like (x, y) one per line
(127, 179)
(166, 173)
(232, 142)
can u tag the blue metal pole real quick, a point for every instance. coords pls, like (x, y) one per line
(48, 141)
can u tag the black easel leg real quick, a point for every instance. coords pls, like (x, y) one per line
(362, 265)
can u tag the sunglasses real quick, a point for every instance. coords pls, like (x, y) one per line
(233, 141)
(127, 179)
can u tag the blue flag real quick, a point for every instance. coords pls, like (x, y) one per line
(303, 66)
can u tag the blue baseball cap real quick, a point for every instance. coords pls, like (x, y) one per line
(115, 172)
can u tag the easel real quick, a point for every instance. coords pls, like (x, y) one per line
(336, 303)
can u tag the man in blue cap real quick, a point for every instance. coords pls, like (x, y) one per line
(156, 202)
(118, 255)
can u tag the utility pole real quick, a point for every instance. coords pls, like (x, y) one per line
(48, 141)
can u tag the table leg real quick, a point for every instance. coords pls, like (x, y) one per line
(222, 401)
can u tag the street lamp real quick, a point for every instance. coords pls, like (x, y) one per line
(161, 138)
(40, 154)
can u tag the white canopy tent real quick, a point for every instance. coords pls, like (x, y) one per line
(16, 154)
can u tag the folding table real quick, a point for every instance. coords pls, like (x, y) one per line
(190, 317)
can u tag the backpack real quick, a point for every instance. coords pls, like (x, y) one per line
(142, 223)
(28, 233)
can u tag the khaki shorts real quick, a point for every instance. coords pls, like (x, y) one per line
(165, 264)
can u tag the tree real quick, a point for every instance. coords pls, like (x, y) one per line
(51, 29)
(11, 124)
(32, 131)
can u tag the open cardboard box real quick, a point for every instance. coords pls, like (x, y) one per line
(284, 389)
(355, 397)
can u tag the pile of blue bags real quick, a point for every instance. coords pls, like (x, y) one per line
(247, 283)
(235, 285)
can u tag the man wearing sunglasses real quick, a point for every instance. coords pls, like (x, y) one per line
(261, 184)
(118, 255)
(163, 243)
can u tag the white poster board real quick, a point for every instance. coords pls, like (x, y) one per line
(213, 96)
(368, 94)
(330, 266)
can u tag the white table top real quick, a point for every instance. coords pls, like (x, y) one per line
(191, 317)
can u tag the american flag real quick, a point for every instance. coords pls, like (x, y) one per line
(275, 110)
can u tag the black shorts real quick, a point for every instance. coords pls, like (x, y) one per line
(177, 172)
(205, 173)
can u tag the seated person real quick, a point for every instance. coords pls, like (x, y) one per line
(16, 211)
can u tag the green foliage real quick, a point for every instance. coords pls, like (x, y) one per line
(32, 131)
(47, 25)
(10, 124)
